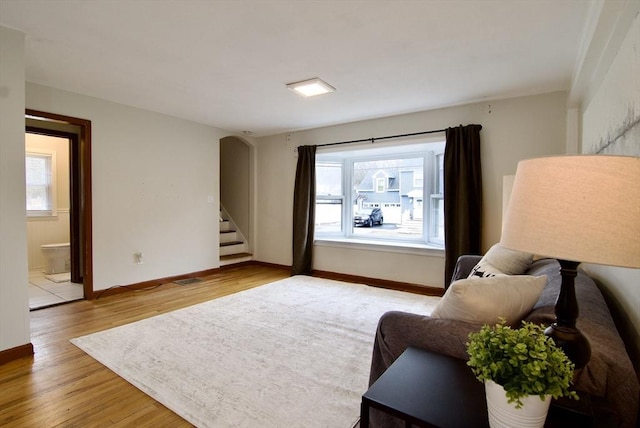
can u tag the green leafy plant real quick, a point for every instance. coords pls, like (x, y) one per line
(524, 361)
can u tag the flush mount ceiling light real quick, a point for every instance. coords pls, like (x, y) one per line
(311, 87)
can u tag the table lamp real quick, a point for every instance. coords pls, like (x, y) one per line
(576, 209)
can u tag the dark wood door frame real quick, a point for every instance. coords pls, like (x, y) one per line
(81, 208)
(75, 226)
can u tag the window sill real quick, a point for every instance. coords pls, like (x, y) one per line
(42, 217)
(38, 216)
(386, 246)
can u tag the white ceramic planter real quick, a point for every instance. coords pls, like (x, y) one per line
(503, 414)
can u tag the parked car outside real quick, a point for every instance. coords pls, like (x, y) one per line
(368, 217)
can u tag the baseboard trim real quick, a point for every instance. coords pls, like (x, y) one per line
(382, 283)
(273, 265)
(118, 289)
(376, 282)
(18, 352)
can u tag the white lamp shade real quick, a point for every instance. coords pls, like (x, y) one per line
(578, 208)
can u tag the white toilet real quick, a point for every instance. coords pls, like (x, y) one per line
(57, 256)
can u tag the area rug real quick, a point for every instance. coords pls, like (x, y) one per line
(292, 353)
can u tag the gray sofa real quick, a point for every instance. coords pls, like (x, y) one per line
(609, 378)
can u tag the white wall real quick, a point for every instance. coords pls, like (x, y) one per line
(610, 119)
(14, 295)
(611, 125)
(513, 129)
(155, 185)
(54, 229)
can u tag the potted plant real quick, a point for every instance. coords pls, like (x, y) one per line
(522, 369)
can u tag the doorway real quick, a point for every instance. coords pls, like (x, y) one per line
(77, 132)
(237, 163)
(49, 210)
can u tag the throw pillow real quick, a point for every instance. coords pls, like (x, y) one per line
(509, 262)
(486, 300)
(484, 269)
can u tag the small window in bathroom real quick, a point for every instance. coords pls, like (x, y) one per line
(40, 184)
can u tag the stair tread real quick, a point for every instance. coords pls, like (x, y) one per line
(226, 244)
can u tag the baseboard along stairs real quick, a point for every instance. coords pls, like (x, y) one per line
(233, 248)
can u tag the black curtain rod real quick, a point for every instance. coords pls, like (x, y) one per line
(372, 140)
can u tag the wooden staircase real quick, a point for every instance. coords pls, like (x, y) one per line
(233, 248)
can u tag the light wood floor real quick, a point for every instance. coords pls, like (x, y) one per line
(63, 386)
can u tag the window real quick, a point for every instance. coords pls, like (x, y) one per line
(40, 185)
(329, 197)
(387, 194)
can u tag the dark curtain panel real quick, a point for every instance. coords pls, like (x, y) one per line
(304, 210)
(462, 195)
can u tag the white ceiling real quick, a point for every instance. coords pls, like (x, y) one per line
(226, 63)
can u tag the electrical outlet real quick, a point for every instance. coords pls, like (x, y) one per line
(138, 257)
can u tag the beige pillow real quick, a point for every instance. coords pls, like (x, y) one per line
(485, 300)
(509, 262)
(484, 269)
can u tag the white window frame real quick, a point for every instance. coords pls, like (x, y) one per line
(52, 194)
(349, 157)
(436, 194)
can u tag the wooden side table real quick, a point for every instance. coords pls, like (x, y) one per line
(427, 389)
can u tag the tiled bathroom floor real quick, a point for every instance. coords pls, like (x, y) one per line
(44, 293)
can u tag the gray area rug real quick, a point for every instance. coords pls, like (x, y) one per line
(292, 353)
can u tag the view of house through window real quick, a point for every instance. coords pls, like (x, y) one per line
(391, 193)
